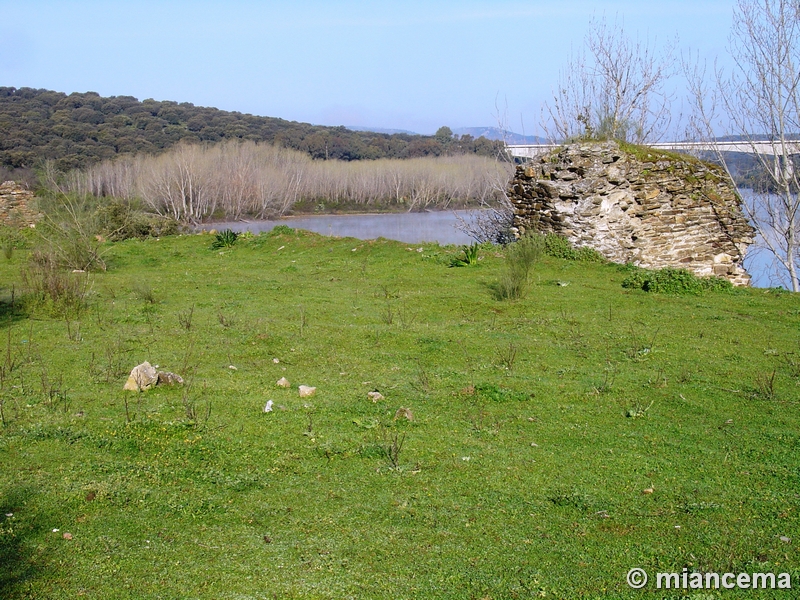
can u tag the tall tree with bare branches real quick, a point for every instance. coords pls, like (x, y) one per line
(758, 102)
(613, 88)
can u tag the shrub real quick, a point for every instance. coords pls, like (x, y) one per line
(69, 233)
(281, 230)
(672, 281)
(520, 258)
(118, 220)
(46, 283)
(558, 246)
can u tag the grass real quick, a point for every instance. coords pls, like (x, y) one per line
(537, 426)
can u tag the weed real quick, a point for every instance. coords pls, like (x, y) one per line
(609, 377)
(227, 322)
(677, 282)
(470, 256)
(196, 416)
(520, 258)
(48, 284)
(496, 393)
(638, 410)
(422, 377)
(392, 446)
(279, 230)
(185, 318)
(507, 356)
(224, 239)
(145, 293)
(54, 391)
(303, 319)
(765, 384)
(407, 318)
(388, 315)
(558, 246)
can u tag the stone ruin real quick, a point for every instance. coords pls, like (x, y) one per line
(17, 206)
(637, 205)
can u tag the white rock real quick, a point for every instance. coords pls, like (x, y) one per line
(375, 396)
(275, 360)
(307, 391)
(268, 407)
(142, 377)
(283, 382)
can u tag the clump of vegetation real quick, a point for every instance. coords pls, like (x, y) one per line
(558, 246)
(672, 281)
(225, 239)
(520, 258)
(470, 257)
(119, 220)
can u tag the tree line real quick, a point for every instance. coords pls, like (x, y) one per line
(82, 129)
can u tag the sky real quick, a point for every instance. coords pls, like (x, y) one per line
(410, 65)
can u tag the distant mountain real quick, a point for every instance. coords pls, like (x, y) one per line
(495, 133)
(380, 130)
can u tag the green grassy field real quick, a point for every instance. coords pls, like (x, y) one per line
(557, 441)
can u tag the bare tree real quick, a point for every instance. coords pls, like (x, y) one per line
(612, 88)
(758, 102)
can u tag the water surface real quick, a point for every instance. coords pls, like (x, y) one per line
(412, 228)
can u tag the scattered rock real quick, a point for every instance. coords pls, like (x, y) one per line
(404, 413)
(268, 407)
(648, 490)
(232, 368)
(275, 360)
(67, 536)
(283, 382)
(142, 378)
(307, 391)
(167, 378)
(145, 376)
(375, 396)
(788, 540)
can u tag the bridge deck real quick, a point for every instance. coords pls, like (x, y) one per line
(767, 148)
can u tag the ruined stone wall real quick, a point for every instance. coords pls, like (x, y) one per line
(643, 206)
(17, 205)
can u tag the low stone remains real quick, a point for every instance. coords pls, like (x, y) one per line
(145, 376)
(642, 206)
(17, 206)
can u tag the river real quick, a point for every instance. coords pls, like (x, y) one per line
(434, 226)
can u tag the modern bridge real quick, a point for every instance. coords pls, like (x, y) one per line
(766, 148)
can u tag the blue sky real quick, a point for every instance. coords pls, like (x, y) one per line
(393, 64)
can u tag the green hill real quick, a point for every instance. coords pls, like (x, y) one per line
(80, 129)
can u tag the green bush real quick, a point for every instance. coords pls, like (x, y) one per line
(558, 246)
(118, 220)
(281, 230)
(672, 281)
(520, 258)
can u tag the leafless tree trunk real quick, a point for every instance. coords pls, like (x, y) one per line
(759, 103)
(615, 90)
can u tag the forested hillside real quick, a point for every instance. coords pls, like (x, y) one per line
(81, 129)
